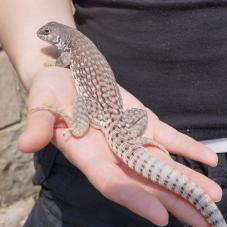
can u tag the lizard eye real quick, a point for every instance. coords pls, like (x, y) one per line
(46, 31)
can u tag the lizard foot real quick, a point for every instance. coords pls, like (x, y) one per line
(50, 108)
(55, 110)
(75, 131)
(147, 141)
(75, 127)
(161, 147)
(49, 63)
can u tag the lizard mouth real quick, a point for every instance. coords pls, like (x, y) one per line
(46, 38)
(43, 37)
(40, 35)
(43, 33)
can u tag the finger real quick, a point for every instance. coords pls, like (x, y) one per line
(181, 144)
(114, 184)
(178, 206)
(37, 133)
(173, 140)
(208, 185)
(103, 172)
(135, 198)
(39, 125)
(181, 209)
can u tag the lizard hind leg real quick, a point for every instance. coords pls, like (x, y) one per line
(95, 112)
(135, 120)
(77, 125)
(80, 121)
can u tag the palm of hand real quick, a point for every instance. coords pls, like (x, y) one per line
(93, 157)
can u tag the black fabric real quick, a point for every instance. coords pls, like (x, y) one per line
(67, 198)
(170, 54)
(51, 211)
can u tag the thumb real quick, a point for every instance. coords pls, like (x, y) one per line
(37, 133)
(39, 126)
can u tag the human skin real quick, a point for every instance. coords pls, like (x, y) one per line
(91, 153)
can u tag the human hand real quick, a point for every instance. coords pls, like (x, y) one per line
(91, 153)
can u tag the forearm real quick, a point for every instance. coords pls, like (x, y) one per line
(19, 21)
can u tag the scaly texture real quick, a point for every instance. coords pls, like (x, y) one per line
(100, 104)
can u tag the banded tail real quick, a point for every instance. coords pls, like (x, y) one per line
(163, 174)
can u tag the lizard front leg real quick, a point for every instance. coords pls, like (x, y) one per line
(63, 60)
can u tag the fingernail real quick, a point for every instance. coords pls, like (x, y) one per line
(163, 224)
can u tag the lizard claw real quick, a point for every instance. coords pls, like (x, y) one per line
(49, 63)
(148, 141)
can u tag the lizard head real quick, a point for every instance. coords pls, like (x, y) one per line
(54, 33)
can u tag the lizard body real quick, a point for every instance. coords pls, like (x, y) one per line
(100, 104)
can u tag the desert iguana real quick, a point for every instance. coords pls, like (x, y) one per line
(100, 104)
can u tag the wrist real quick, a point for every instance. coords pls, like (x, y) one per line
(30, 63)
(18, 35)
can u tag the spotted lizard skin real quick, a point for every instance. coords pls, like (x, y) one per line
(100, 104)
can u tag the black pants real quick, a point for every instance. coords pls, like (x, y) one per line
(67, 199)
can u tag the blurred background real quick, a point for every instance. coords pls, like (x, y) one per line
(17, 194)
